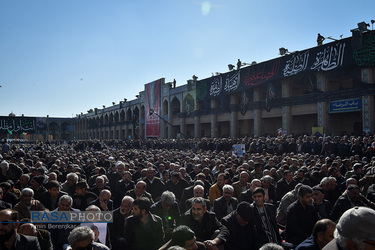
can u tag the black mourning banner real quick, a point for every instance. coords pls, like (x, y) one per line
(336, 55)
(17, 125)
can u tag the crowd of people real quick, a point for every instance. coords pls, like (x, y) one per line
(285, 192)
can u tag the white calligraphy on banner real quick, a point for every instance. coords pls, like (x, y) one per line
(232, 82)
(216, 86)
(330, 58)
(296, 64)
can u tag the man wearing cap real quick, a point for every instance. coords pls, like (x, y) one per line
(356, 173)
(355, 230)
(301, 217)
(238, 231)
(322, 206)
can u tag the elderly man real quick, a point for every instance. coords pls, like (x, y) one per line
(139, 191)
(81, 238)
(248, 194)
(143, 230)
(69, 186)
(269, 189)
(322, 206)
(104, 201)
(285, 202)
(9, 237)
(60, 234)
(349, 199)
(167, 209)
(242, 185)
(355, 230)
(226, 203)
(117, 228)
(198, 191)
(27, 204)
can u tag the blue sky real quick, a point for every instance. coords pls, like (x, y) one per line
(64, 57)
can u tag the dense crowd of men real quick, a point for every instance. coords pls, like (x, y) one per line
(289, 192)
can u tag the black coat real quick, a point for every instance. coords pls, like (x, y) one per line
(136, 237)
(205, 229)
(239, 237)
(283, 187)
(117, 230)
(299, 222)
(173, 214)
(220, 206)
(261, 234)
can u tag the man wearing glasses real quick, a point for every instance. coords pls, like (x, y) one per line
(9, 238)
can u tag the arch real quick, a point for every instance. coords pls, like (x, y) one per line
(116, 117)
(129, 115)
(175, 106)
(165, 107)
(122, 116)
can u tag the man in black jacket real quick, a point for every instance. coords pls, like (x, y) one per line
(167, 209)
(301, 217)
(143, 230)
(226, 203)
(9, 238)
(117, 228)
(238, 230)
(204, 223)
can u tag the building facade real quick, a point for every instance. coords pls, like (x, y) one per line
(329, 89)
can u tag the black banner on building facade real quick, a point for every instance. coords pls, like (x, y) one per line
(17, 125)
(331, 56)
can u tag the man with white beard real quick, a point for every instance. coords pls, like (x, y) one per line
(248, 194)
(117, 228)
